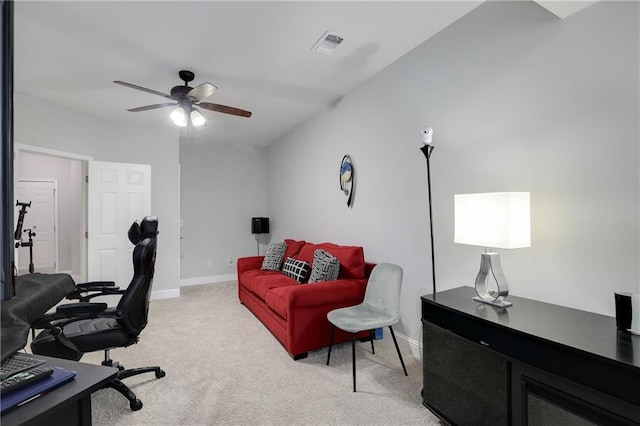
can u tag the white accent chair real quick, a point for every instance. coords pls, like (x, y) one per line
(380, 308)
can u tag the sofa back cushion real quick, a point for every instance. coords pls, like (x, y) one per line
(293, 248)
(351, 258)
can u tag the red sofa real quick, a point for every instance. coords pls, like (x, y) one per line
(296, 313)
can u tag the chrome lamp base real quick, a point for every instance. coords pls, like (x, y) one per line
(498, 303)
(490, 263)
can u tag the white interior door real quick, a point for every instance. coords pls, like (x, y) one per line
(118, 194)
(41, 218)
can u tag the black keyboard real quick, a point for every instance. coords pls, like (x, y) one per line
(24, 378)
(16, 363)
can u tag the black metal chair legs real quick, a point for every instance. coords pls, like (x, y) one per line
(353, 350)
(353, 358)
(398, 350)
(333, 329)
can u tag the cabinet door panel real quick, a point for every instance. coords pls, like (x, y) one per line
(464, 380)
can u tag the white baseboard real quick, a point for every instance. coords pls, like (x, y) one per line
(211, 279)
(413, 344)
(76, 278)
(165, 294)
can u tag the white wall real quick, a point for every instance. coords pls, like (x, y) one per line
(222, 187)
(43, 124)
(520, 101)
(68, 173)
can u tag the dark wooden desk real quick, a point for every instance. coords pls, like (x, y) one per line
(70, 404)
(531, 363)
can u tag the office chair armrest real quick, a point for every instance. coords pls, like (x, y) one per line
(82, 308)
(95, 290)
(66, 314)
(96, 284)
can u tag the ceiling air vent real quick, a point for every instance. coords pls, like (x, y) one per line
(327, 43)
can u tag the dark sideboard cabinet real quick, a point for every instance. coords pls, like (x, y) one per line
(533, 363)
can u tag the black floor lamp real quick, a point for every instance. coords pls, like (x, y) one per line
(259, 225)
(427, 148)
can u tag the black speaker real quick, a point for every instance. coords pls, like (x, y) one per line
(624, 311)
(259, 225)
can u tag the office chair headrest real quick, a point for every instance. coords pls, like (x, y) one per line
(148, 228)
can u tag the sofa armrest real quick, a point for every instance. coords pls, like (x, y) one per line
(249, 263)
(327, 293)
(368, 268)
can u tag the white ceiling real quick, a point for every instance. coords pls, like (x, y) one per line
(564, 8)
(257, 53)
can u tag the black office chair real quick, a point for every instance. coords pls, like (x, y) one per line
(77, 328)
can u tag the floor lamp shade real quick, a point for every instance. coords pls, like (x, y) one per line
(259, 225)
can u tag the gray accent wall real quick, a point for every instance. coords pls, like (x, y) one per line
(520, 100)
(222, 187)
(43, 124)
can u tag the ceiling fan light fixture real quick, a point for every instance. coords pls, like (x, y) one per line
(196, 118)
(179, 116)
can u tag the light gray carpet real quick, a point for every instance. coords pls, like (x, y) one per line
(224, 367)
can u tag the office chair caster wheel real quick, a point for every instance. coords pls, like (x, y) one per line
(160, 374)
(135, 405)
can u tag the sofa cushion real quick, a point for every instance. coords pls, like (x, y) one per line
(307, 251)
(261, 284)
(296, 269)
(247, 277)
(293, 247)
(275, 254)
(325, 267)
(278, 300)
(352, 264)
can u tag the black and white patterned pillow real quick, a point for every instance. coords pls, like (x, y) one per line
(325, 267)
(273, 259)
(296, 269)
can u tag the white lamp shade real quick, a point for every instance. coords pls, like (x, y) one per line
(196, 118)
(179, 116)
(496, 219)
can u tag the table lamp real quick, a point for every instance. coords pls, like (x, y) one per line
(493, 220)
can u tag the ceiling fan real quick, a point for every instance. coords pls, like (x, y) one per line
(186, 100)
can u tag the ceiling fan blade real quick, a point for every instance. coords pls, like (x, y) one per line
(225, 109)
(144, 89)
(148, 107)
(201, 92)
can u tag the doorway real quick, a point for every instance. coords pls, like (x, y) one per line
(38, 243)
(98, 201)
(68, 171)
